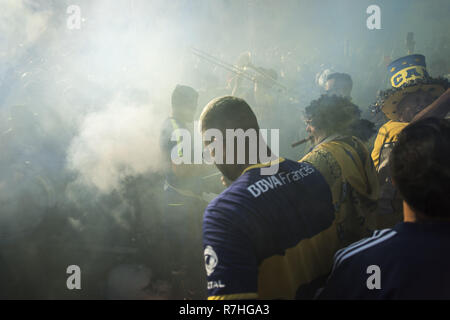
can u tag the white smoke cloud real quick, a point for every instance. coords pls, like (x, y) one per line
(115, 142)
(21, 25)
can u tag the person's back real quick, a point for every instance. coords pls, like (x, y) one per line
(411, 260)
(269, 235)
(345, 163)
(264, 235)
(342, 158)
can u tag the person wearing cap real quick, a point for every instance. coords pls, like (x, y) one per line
(412, 91)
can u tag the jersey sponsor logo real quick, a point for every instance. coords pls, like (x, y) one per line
(211, 260)
(278, 180)
(215, 285)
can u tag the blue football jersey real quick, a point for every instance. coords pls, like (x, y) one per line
(267, 235)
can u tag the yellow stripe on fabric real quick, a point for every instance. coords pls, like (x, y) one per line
(262, 165)
(235, 296)
(280, 276)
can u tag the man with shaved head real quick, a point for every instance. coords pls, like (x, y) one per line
(269, 235)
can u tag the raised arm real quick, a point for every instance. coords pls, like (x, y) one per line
(438, 109)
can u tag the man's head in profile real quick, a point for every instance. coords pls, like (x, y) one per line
(240, 150)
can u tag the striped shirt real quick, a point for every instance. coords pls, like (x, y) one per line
(411, 261)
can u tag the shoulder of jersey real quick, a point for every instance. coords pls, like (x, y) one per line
(237, 190)
(359, 247)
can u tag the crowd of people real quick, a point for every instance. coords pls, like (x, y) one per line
(363, 197)
(87, 148)
(343, 200)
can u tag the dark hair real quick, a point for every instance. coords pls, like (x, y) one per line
(420, 167)
(341, 76)
(336, 114)
(184, 96)
(228, 113)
